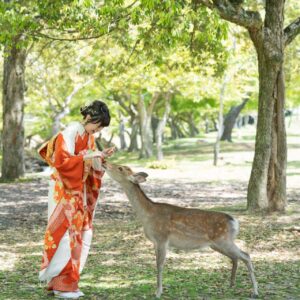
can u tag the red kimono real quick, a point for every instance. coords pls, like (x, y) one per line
(73, 193)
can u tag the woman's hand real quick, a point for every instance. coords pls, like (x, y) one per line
(109, 151)
(98, 154)
(93, 154)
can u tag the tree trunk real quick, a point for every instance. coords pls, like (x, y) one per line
(122, 132)
(206, 124)
(145, 130)
(13, 113)
(154, 124)
(192, 127)
(126, 104)
(266, 189)
(257, 187)
(1, 139)
(221, 127)
(133, 135)
(56, 126)
(160, 129)
(173, 128)
(230, 120)
(278, 159)
(215, 124)
(179, 129)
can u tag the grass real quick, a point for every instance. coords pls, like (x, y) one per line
(19, 180)
(121, 264)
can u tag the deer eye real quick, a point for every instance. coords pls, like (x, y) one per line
(120, 168)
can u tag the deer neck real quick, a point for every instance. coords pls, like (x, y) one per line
(139, 201)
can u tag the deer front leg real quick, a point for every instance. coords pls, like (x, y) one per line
(160, 251)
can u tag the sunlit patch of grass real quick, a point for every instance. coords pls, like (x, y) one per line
(158, 165)
(18, 180)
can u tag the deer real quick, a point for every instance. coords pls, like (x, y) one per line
(167, 225)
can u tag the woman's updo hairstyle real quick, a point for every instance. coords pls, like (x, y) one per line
(98, 112)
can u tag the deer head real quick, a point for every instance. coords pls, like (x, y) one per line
(123, 174)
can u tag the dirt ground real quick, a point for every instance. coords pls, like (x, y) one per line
(23, 204)
(195, 185)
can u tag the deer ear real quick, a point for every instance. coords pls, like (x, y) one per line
(138, 177)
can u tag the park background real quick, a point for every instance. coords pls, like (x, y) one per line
(171, 72)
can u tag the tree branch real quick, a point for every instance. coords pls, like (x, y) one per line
(45, 46)
(42, 35)
(118, 99)
(71, 38)
(152, 103)
(76, 89)
(291, 31)
(234, 13)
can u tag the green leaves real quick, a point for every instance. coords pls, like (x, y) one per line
(61, 20)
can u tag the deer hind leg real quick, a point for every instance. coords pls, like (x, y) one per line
(160, 251)
(246, 259)
(232, 251)
(233, 271)
(233, 258)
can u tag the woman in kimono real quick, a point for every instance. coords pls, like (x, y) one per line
(73, 193)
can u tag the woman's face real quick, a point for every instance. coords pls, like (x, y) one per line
(92, 128)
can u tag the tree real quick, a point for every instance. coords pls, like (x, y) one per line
(161, 125)
(56, 75)
(221, 127)
(267, 185)
(23, 23)
(162, 27)
(225, 81)
(13, 109)
(230, 119)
